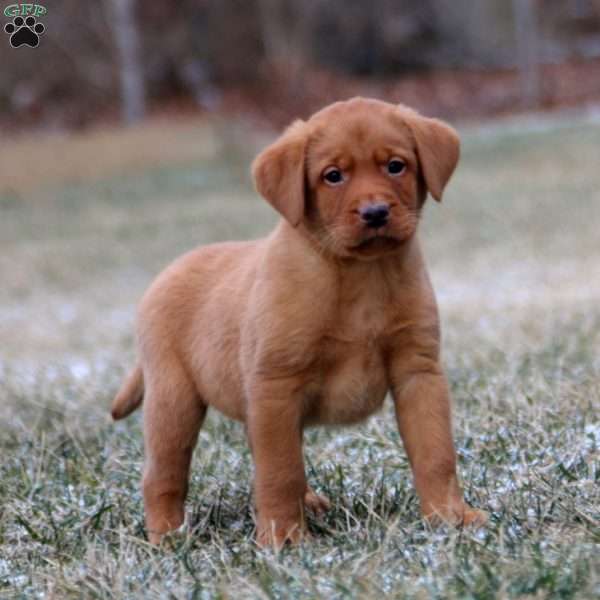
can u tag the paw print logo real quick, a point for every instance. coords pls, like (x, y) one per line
(24, 32)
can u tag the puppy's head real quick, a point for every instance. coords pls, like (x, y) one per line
(356, 174)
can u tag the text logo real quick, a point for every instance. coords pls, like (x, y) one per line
(25, 29)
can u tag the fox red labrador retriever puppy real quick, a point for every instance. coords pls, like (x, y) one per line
(312, 325)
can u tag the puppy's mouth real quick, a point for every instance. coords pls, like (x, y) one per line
(376, 244)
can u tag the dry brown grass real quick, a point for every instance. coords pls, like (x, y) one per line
(33, 160)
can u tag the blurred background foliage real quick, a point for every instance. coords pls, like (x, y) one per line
(275, 59)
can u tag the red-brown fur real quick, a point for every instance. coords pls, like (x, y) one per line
(313, 324)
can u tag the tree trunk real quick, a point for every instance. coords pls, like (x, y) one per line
(526, 37)
(125, 31)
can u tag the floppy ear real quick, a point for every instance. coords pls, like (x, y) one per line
(278, 173)
(438, 148)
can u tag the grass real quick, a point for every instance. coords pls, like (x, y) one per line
(514, 256)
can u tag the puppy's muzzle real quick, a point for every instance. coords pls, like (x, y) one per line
(375, 215)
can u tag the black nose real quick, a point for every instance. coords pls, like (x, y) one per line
(375, 215)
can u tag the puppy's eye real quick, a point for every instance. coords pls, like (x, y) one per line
(396, 166)
(333, 176)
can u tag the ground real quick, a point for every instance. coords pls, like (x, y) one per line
(514, 255)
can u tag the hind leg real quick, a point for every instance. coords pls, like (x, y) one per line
(173, 415)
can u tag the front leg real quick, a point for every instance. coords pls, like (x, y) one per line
(423, 412)
(274, 429)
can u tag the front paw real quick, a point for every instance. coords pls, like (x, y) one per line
(458, 514)
(276, 533)
(474, 517)
(317, 503)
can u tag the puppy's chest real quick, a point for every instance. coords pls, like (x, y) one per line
(350, 380)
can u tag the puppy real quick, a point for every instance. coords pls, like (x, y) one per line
(312, 325)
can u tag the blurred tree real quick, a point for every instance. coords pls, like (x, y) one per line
(285, 53)
(526, 36)
(131, 75)
(287, 33)
(375, 38)
(474, 34)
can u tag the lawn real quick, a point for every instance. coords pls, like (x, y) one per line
(514, 254)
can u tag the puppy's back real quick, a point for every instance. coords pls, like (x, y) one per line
(193, 295)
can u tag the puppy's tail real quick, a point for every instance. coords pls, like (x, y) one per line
(130, 396)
